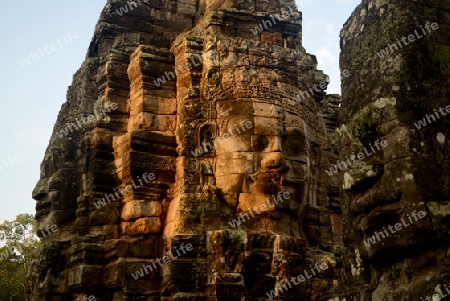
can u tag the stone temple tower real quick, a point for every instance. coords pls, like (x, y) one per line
(203, 177)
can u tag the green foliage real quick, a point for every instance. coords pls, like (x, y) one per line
(18, 241)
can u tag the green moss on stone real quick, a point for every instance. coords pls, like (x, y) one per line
(364, 126)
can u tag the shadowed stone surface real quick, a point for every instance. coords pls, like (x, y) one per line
(412, 172)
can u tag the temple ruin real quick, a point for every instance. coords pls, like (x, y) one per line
(207, 174)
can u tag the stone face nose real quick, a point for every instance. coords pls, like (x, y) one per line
(39, 191)
(274, 161)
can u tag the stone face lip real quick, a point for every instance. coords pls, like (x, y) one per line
(213, 118)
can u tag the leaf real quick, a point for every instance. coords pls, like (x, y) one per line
(18, 240)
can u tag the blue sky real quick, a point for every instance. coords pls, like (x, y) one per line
(32, 95)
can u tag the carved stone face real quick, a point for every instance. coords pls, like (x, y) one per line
(266, 154)
(386, 198)
(265, 145)
(262, 154)
(56, 191)
(262, 5)
(244, 5)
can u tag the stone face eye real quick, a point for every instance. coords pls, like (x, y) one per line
(294, 144)
(260, 143)
(294, 149)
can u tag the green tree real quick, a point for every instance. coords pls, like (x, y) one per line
(18, 240)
